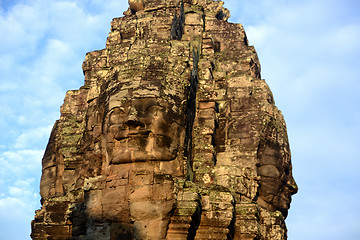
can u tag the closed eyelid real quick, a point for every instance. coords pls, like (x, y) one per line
(120, 110)
(152, 106)
(116, 114)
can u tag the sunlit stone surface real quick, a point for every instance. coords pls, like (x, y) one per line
(174, 135)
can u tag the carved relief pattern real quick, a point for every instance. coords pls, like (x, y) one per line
(174, 135)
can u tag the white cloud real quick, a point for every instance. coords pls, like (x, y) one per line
(22, 189)
(43, 46)
(20, 164)
(17, 209)
(327, 221)
(33, 138)
(309, 52)
(16, 215)
(309, 55)
(19, 195)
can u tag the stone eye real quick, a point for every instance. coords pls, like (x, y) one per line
(116, 115)
(151, 109)
(121, 110)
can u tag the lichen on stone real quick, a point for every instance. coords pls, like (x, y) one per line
(174, 135)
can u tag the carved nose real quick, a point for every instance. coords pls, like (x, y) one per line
(291, 184)
(133, 119)
(133, 114)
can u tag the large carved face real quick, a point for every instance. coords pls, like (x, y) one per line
(277, 183)
(143, 129)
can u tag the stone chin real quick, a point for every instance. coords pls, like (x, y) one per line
(284, 204)
(279, 203)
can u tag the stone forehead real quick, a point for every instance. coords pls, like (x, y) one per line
(173, 93)
(139, 87)
(119, 100)
(127, 95)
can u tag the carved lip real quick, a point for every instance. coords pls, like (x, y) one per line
(128, 157)
(287, 199)
(133, 134)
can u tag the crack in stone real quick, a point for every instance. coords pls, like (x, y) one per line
(178, 23)
(190, 112)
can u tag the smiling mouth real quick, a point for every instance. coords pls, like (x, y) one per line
(286, 199)
(133, 134)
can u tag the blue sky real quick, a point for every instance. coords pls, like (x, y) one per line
(310, 56)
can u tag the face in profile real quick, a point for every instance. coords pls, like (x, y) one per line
(277, 183)
(143, 129)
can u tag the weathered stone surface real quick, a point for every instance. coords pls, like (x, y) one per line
(174, 135)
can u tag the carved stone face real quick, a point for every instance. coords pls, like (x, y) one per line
(277, 183)
(144, 129)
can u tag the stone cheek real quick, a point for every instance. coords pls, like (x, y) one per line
(174, 135)
(274, 169)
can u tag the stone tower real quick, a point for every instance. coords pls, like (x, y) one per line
(174, 135)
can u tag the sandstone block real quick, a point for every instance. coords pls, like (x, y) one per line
(174, 135)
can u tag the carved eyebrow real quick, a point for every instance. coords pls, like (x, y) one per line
(111, 111)
(114, 109)
(120, 108)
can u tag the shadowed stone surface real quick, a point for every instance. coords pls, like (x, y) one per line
(174, 135)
